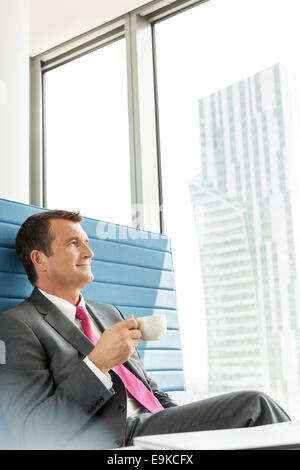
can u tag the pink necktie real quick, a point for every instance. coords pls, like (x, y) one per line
(134, 385)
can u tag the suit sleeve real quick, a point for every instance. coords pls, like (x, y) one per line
(163, 397)
(39, 412)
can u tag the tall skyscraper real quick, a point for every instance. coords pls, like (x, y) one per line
(235, 352)
(245, 164)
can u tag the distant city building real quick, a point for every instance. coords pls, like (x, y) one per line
(234, 335)
(242, 204)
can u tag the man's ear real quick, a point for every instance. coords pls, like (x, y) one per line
(38, 258)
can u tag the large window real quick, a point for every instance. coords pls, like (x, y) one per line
(86, 135)
(228, 77)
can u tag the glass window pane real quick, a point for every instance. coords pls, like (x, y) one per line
(87, 140)
(228, 92)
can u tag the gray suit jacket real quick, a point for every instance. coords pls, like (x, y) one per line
(49, 396)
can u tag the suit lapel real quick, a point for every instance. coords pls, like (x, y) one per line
(61, 323)
(100, 318)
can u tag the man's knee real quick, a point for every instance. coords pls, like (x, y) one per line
(267, 409)
(257, 399)
(257, 395)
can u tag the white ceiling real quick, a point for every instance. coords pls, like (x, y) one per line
(55, 21)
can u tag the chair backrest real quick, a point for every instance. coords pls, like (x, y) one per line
(132, 269)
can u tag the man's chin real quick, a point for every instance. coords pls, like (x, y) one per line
(89, 276)
(86, 278)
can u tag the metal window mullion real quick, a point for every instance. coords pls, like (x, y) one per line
(36, 173)
(87, 47)
(167, 8)
(134, 143)
(142, 124)
(100, 34)
(159, 169)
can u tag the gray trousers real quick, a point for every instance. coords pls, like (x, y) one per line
(231, 410)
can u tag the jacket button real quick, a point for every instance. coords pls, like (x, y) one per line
(121, 407)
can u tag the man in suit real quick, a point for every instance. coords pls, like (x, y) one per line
(59, 386)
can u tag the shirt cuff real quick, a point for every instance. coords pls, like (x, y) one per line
(101, 376)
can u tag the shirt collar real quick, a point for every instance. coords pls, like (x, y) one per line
(63, 305)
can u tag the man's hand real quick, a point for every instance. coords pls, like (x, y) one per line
(116, 344)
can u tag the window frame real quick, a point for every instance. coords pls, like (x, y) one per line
(137, 29)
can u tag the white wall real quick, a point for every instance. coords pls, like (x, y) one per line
(14, 100)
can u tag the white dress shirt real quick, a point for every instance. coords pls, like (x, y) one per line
(68, 309)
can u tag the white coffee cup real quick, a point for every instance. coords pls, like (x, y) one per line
(153, 327)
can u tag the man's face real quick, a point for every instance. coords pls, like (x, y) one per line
(70, 263)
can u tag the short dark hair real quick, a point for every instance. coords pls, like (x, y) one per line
(35, 234)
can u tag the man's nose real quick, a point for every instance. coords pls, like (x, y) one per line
(87, 252)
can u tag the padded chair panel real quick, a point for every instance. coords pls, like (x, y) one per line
(123, 253)
(162, 360)
(8, 233)
(130, 295)
(14, 285)
(168, 380)
(9, 261)
(117, 273)
(133, 270)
